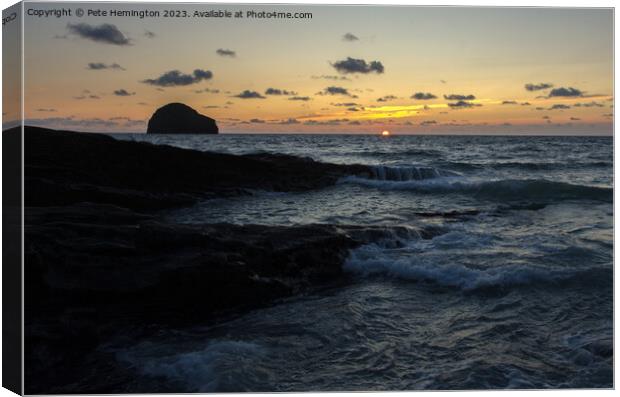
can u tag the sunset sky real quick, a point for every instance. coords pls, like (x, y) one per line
(347, 70)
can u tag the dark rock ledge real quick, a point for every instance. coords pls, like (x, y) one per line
(100, 260)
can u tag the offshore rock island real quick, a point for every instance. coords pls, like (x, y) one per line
(177, 118)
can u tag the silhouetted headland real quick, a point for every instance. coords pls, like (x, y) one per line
(178, 118)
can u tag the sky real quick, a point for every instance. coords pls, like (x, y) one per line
(348, 69)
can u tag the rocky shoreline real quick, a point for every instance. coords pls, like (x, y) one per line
(100, 259)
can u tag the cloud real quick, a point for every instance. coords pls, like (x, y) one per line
(149, 34)
(94, 124)
(71, 122)
(538, 87)
(354, 122)
(104, 33)
(423, 96)
(247, 94)
(103, 66)
(428, 122)
(289, 122)
(328, 77)
(387, 98)
(545, 117)
(226, 53)
(277, 91)
(525, 104)
(328, 122)
(350, 37)
(45, 110)
(463, 105)
(86, 94)
(459, 97)
(575, 118)
(210, 107)
(175, 78)
(559, 107)
(346, 104)
(257, 121)
(565, 92)
(589, 105)
(509, 102)
(300, 98)
(332, 90)
(123, 92)
(351, 65)
(208, 90)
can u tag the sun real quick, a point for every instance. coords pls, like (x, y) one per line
(385, 133)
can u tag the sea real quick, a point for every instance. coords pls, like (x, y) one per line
(513, 291)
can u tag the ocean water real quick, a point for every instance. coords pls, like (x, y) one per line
(515, 289)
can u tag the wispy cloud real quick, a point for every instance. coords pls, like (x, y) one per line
(247, 94)
(589, 105)
(459, 97)
(226, 53)
(537, 87)
(277, 91)
(387, 98)
(123, 92)
(328, 77)
(350, 37)
(104, 66)
(559, 106)
(463, 105)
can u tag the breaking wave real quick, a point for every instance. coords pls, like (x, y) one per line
(395, 173)
(208, 370)
(463, 277)
(504, 190)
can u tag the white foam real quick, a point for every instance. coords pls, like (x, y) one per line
(498, 189)
(202, 370)
(408, 173)
(372, 259)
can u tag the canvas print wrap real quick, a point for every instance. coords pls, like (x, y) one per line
(265, 198)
